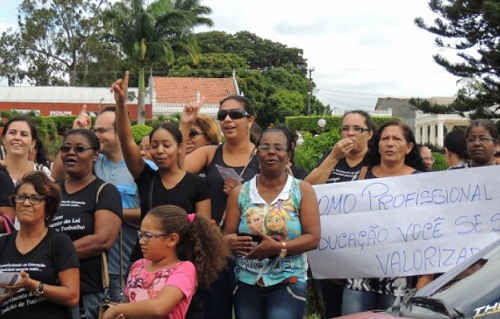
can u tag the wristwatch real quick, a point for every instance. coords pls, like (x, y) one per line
(283, 251)
(38, 291)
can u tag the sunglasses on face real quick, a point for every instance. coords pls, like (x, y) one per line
(234, 114)
(193, 132)
(78, 149)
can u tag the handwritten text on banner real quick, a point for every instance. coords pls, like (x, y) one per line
(407, 225)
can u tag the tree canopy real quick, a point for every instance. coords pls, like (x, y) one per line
(155, 33)
(55, 43)
(472, 29)
(92, 43)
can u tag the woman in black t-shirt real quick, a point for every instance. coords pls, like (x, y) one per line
(90, 214)
(342, 164)
(46, 260)
(236, 155)
(167, 185)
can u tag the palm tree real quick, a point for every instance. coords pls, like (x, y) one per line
(156, 33)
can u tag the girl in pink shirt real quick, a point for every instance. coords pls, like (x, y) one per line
(160, 285)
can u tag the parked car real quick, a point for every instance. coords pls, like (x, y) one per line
(470, 290)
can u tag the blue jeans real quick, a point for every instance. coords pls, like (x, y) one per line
(354, 301)
(91, 303)
(218, 303)
(114, 288)
(330, 297)
(278, 301)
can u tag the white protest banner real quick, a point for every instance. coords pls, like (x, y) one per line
(406, 225)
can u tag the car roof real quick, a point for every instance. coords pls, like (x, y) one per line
(449, 275)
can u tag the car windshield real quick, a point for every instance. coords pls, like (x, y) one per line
(470, 291)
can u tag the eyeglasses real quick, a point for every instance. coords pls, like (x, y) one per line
(356, 129)
(102, 130)
(193, 132)
(78, 149)
(430, 159)
(481, 139)
(234, 114)
(34, 199)
(276, 148)
(148, 236)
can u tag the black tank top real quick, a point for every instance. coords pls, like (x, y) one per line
(216, 183)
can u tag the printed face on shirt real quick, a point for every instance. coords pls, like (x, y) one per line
(393, 146)
(29, 213)
(18, 139)
(481, 152)
(351, 122)
(235, 128)
(78, 163)
(164, 149)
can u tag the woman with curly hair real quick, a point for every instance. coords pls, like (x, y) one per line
(161, 285)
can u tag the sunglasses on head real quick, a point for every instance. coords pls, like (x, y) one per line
(234, 114)
(193, 132)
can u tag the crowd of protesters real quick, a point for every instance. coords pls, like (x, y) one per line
(190, 227)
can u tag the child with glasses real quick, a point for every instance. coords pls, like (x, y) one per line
(161, 285)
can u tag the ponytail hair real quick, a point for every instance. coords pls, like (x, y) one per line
(200, 241)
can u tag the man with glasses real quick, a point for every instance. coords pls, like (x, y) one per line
(426, 155)
(110, 166)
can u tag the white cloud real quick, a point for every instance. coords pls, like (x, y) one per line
(360, 49)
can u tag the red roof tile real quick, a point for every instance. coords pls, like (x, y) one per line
(182, 90)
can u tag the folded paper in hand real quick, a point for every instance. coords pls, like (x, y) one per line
(9, 279)
(227, 172)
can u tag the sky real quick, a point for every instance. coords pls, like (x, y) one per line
(360, 49)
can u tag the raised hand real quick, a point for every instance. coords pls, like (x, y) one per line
(83, 120)
(342, 147)
(190, 112)
(120, 90)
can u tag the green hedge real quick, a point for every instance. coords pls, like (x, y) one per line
(307, 155)
(310, 123)
(139, 131)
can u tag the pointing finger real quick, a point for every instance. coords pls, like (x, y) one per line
(126, 79)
